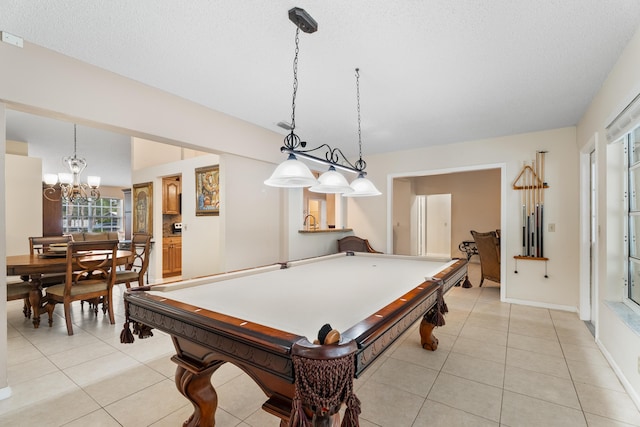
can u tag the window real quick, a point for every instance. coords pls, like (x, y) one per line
(624, 132)
(104, 214)
(632, 142)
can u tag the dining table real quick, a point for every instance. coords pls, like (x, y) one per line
(32, 267)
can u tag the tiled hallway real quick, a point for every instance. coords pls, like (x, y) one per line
(497, 365)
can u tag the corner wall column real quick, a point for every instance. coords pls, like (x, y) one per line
(5, 391)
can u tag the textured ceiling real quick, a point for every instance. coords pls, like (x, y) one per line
(432, 71)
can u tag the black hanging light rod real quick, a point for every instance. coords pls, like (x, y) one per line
(332, 156)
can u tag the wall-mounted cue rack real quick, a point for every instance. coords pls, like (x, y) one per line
(532, 184)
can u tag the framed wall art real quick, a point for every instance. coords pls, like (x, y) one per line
(208, 190)
(142, 199)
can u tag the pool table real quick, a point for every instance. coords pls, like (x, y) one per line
(265, 320)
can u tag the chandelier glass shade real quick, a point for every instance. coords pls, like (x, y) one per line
(331, 182)
(292, 173)
(362, 187)
(71, 189)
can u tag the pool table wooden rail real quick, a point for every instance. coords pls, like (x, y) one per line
(231, 337)
(380, 330)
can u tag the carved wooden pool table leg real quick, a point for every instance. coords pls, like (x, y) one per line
(427, 339)
(194, 382)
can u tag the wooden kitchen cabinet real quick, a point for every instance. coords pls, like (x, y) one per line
(171, 190)
(171, 256)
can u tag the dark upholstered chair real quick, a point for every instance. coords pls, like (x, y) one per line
(489, 252)
(140, 246)
(90, 276)
(355, 244)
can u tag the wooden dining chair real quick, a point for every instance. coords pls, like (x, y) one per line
(140, 246)
(42, 244)
(90, 275)
(38, 245)
(19, 289)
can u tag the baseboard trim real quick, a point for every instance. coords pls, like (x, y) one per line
(569, 308)
(625, 383)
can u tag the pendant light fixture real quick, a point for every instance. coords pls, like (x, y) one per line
(292, 173)
(71, 189)
(361, 186)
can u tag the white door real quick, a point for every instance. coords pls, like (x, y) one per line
(419, 226)
(438, 229)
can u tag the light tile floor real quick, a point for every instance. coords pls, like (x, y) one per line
(497, 365)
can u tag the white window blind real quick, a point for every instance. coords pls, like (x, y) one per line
(625, 121)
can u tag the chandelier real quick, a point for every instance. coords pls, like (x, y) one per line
(292, 173)
(71, 189)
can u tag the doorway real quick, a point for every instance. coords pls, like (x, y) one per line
(473, 201)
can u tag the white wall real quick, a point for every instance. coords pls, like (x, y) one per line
(5, 390)
(24, 202)
(616, 339)
(41, 81)
(369, 216)
(247, 232)
(251, 214)
(403, 198)
(200, 235)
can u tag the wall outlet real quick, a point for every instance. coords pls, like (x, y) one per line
(552, 228)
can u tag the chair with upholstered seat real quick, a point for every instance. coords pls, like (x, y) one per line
(90, 275)
(38, 245)
(19, 289)
(140, 246)
(489, 252)
(355, 244)
(41, 245)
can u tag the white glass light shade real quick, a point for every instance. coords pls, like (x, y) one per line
(65, 178)
(93, 181)
(332, 182)
(50, 179)
(291, 173)
(362, 187)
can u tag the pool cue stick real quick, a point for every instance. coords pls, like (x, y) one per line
(538, 223)
(533, 213)
(526, 211)
(540, 193)
(535, 208)
(542, 159)
(523, 218)
(542, 230)
(528, 215)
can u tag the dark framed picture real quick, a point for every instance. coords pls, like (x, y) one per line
(208, 190)
(142, 198)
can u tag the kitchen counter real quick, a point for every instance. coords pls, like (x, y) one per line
(326, 230)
